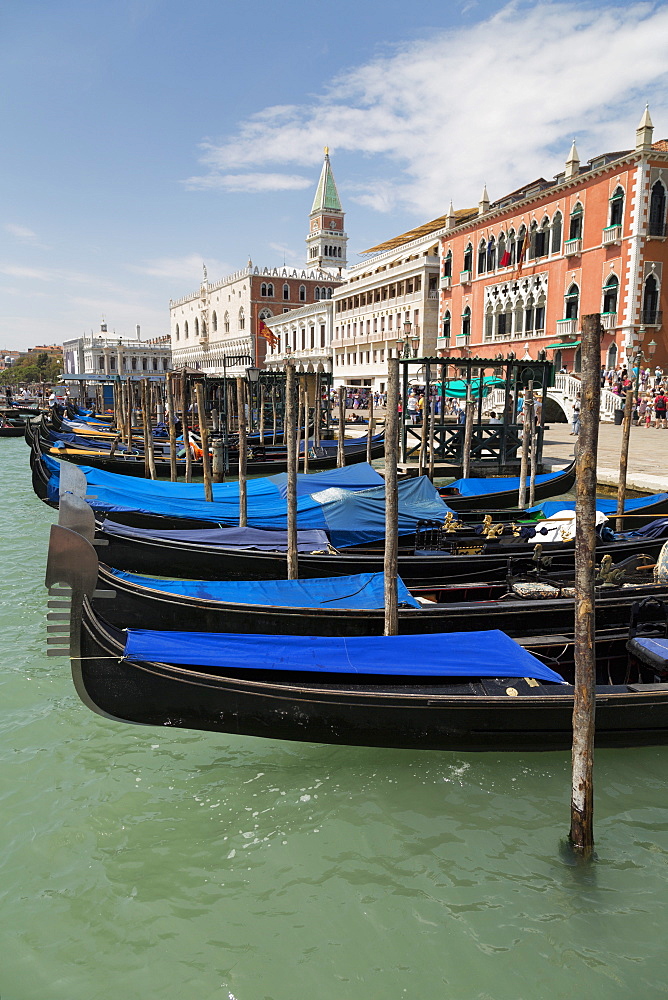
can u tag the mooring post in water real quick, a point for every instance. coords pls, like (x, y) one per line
(243, 451)
(584, 700)
(468, 433)
(171, 426)
(149, 430)
(626, 437)
(317, 411)
(527, 428)
(370, 430)
(534, 457)
(340, 442)
(391, 498)
(306, 423)
(260, 389)
(291, 440)
(184, 425)
(204, 437)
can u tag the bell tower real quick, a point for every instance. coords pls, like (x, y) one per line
(326, 242)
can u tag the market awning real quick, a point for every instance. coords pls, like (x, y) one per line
(553, 347)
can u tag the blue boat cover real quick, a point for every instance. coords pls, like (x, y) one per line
(363, 592)
(480, 487)
(450, 654)
(348, 521)
(226, 538)
(607, 505)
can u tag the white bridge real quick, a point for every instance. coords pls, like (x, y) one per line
(564, 392)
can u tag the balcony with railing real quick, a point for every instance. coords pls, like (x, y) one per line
(609, 320)
(446, 281)
(567, 327)
(573, 247)
(611, 234)
(465, 277)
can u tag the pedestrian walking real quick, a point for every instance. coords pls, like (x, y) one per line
(576, 417)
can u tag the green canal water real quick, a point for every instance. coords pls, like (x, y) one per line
(152, 863)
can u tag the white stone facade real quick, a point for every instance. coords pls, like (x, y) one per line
(305, 335)
(222, 319)
(370, 310)
(102, 355)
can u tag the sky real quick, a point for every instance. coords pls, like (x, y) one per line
(145, 138)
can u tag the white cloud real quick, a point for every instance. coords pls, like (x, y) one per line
(24, 235)
(251, 183)
(189, 269)
(496, 101)
(288, 254)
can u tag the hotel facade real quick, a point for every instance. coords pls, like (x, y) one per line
(518, 274)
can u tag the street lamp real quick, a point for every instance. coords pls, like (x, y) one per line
(253, 375)
(651, 347)
(408, 341)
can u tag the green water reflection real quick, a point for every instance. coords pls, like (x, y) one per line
(154, 863)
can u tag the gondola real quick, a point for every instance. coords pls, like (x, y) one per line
(351, 606)
(459, 691)
(261, 460)
(197, 550)
(499, 493)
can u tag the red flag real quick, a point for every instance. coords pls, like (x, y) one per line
(505, 260)
(523, 252)
(267, 334)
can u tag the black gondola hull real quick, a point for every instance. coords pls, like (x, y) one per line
(347, 711)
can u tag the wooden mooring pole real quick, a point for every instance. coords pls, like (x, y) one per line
(370, 429)
(626, 437)
(390, 565)
(584, 701)
(527, 427)
(171, 426)
(468, 433)
(243, 451)
(184, 425)
(341, 435)
(291, 442)
(204, 436)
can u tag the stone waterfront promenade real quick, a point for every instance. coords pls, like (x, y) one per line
(648, 455)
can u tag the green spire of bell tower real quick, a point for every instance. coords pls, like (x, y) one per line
(326, 241)
(326, 195)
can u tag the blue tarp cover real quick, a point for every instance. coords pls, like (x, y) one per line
(350, 518)
(227, 538)
(450, 654)
(607, 505)
(363, 592)
(479, 486)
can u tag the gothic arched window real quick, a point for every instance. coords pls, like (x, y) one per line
(610, 292)
(572, 302)
(270, 291)
(650, 301)
(447, 324)
(302, 293)
(214, 321)
(468, 258)
(226, 322)
(557, 226)
(466, 322)
(242, 318)
(196, 327)
(447, 265)
(577, 220)
(177, 331)
(482, 257)
(263, 289)
(286, 291)
(657, 210)
(491, 254)
(617, 207)
(185, 329)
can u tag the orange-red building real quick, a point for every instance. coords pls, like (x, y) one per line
(520, 272)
